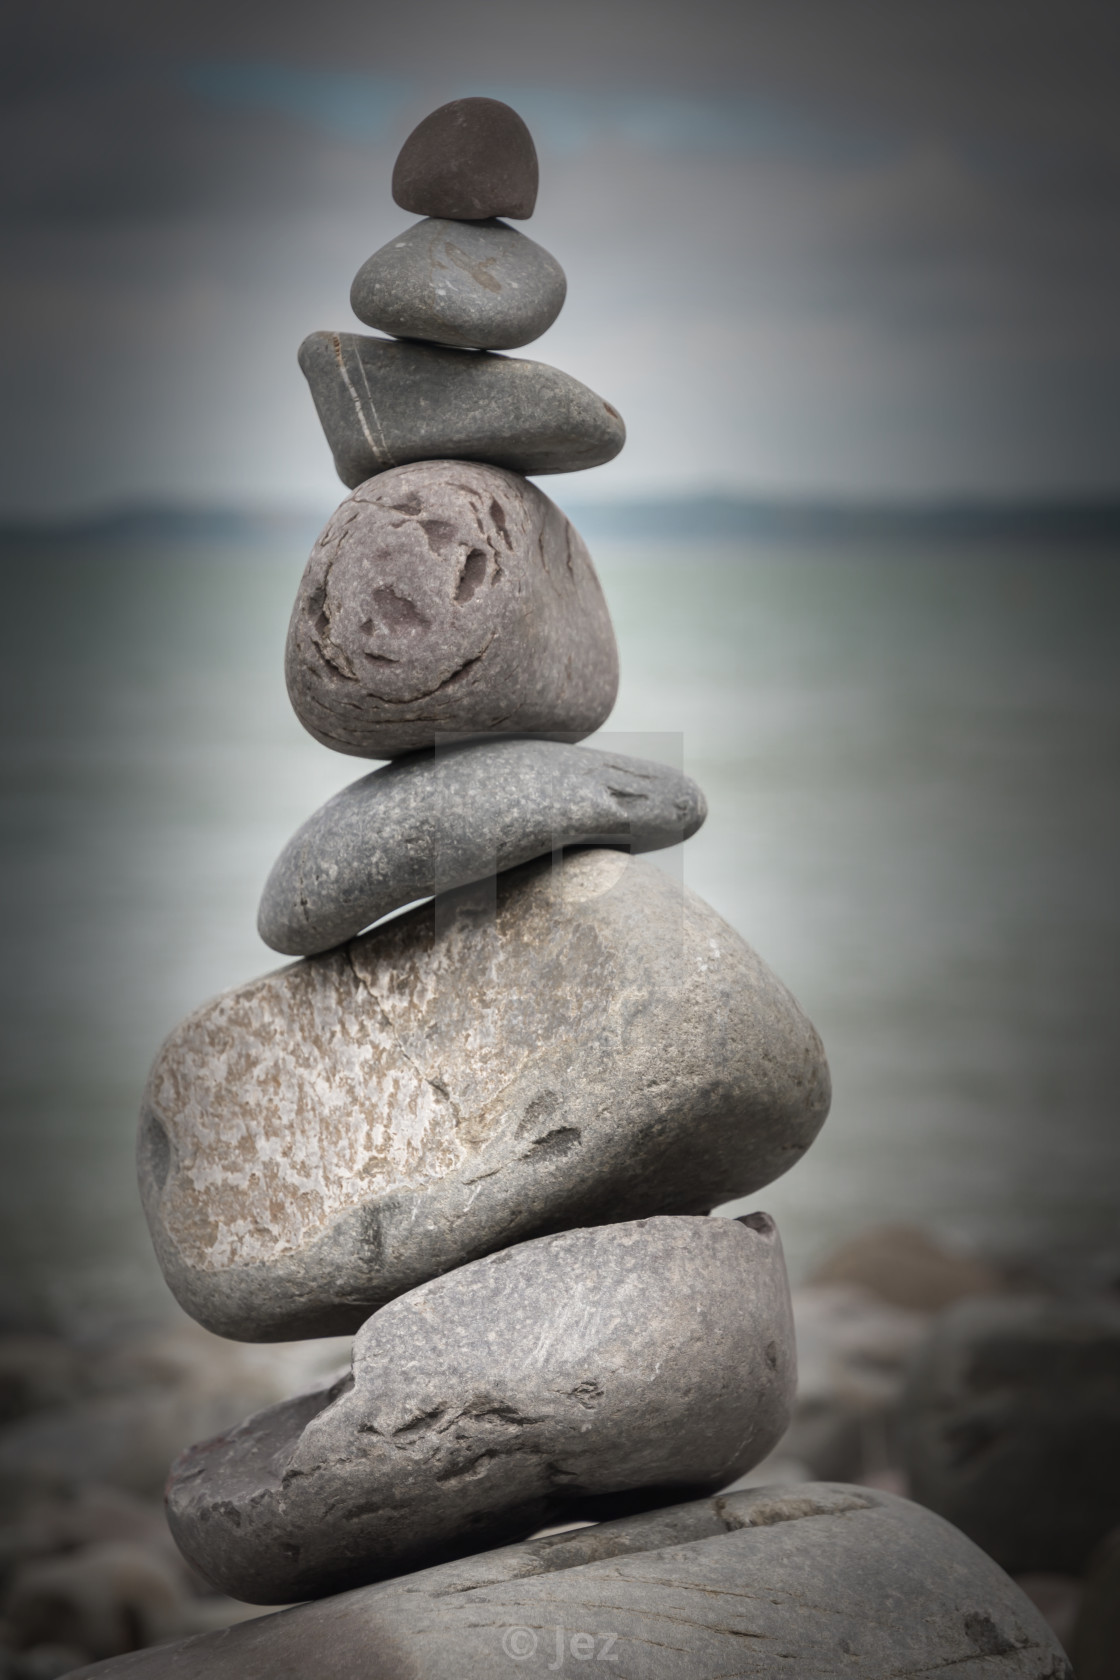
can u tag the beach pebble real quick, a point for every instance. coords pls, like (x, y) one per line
(575, 1045)
(908, 1268)
(502, 1397)
(49, 1661)
(853, 1351)
(383, 402)
(430, 823)
(814, 1582)
(103, 1599)
(1095, 1643)
(479, 285)
(37, 1371)
(1010, 1428)
(138, 1401)
(40, 1525)
(469, 160)
(443, 600)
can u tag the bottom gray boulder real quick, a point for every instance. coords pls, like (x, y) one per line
(653, 1360)
(811, 1582)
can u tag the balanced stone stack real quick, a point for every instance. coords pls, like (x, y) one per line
(486, 1133)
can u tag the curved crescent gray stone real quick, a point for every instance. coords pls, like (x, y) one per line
(425, 825)
(478, 285)
(448, 599)
(841, 1581)
(567, 1046)
(383, 402)
(514, 1392)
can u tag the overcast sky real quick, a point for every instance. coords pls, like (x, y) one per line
(812, 246)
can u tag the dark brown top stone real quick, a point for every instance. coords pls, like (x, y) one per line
(468, 161)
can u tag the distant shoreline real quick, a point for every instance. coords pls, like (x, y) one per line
(679, 518)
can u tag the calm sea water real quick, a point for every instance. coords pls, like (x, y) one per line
(910, 758)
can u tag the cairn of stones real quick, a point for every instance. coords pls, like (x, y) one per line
(486, 1134)
(482, 1122)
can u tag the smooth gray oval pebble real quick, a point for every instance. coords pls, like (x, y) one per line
(425, 825)
(815, 1581)
(507, 1395)
(478, 285)
(565, 1046)
(448, 599)
(383, 402)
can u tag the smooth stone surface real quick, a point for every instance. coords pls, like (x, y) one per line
(600, 1046)
(428, 824)
(1011, 1428)
(383, 402)
(479, 285)
(506, 1396)
(814, 1582)
(448, 599)
(469, 160)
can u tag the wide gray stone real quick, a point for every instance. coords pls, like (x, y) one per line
(427, 824)
(383, 402)
(448, 599)
(469, 159)
(1011, 1428)
(814, 1582)
(479, 285)
(515, 1392)
(596, 1046)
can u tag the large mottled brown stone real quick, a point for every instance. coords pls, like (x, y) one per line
(600, 1047)
(448, 599)
(812, 1582)
(530, 1387)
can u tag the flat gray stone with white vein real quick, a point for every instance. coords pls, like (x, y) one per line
(384, 402)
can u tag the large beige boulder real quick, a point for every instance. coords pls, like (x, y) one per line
(592, 1044)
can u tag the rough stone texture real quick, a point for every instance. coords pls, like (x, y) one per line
(479, 285)
(1011, 1428)
(599, 1047)
(815, 1582)
(468, 160)
(513, 1393)
(431, 823)
(448, 599)
(383, 402)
